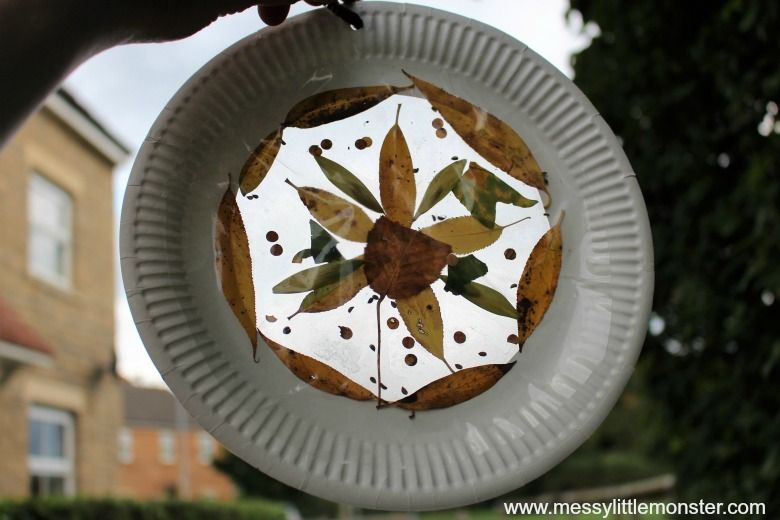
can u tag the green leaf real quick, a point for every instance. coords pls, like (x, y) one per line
(480, 190)
(347, 182)
(441, 185)
(468, 269)
(487, 298)
(323, 246)
(316, 277)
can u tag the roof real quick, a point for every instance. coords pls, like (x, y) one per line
(153, 408)
(71, 112)
(14, 330)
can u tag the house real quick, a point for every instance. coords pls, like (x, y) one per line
(60, 400)
(163, 452)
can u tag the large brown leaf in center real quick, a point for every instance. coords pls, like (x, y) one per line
(400, 262)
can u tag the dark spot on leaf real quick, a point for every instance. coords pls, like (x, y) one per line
(458, 366)
(272, 236)
(372, 379)
(360, 144)
(429, 307)
(454, 157)
(404, 391)
(393, 305)
(441, 133)
(276, 250)
(345, 332)
(392, 323)
(350, 309)
(437, 123)
(512, 338)
(372, 347)
(459, 337)
(408, 342)
(513, 286)
(483, 354)
(315, 150)
(326, 144)
(415, 170)
(510, 254)
(410, 360)
(287, 330)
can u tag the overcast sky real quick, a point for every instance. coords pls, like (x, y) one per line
(127, 87)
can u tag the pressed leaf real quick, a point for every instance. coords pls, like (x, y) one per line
(323, 246)
(487, 298)
(401, 262)
(336, 294)
(485, 133)
(346, 181)
(463, 234)
(337, 215)
(422, 317)
(256, 167)
(397, 187)
(441, 184)
(334, 105)
(537, 285)
(455, 388)
(467, 269)
(234, 265)
(316, 277)
(317, 374)
(480, 190)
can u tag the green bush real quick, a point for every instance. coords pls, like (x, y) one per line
(121, 509)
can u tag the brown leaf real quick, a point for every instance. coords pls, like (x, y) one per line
(455, 388)
(336, 294)
(422, 317)
(401, 262)
(317, 374)
(485, 133)
(397, 188)
(334, 105)
(337, 215)
(537, 285)
(234, 265)
(256, 167)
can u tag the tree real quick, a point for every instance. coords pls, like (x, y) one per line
(692, 89)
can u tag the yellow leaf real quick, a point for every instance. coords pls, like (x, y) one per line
(485, 133)
(422, 317)
(335, 214)
(256, 167)
(463, 234)
(397, 187)
(318, 374)
(454, 388)
(234, 265)
(334, 105)
(336, 294)
(537, 285)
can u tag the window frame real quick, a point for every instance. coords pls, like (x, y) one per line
(126, 445)
(44, 466)
(206, 444)
(166, 438)
(41, 185)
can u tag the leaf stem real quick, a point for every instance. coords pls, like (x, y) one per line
(515, 222)
(397, 113)
(378, 353)
(288, 181)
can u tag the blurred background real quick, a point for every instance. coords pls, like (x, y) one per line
(692, 91)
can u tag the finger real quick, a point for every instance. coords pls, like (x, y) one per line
(273, 14)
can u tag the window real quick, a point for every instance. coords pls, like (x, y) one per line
(125, 446)
(50, 240)
(205, 448)
(167, 446)
(50, 451)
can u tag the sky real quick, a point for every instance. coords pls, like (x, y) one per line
(127, 87)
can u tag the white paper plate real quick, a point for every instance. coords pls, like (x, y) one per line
(573, 367)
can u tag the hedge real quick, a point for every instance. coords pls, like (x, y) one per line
(122, 509)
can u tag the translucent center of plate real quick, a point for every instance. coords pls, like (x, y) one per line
(285, 238)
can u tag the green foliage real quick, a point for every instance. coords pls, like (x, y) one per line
(120, 509)
(467, 269)
(686, 86)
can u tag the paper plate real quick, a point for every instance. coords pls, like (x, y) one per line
(572, 368)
